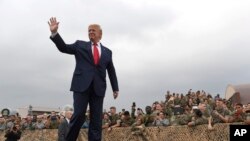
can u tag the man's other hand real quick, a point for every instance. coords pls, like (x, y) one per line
(115, 94)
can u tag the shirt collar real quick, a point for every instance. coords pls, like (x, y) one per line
(67, 120)
(98, 44)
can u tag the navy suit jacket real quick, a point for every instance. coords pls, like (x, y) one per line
(86, 72)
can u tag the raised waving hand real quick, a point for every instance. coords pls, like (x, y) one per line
(53, 24)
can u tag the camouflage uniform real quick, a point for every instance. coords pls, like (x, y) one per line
(127, 122)
(183, 119)
(106, 121)
(137, 131)
(247, 116)
(211, 103)
(148, 120)
(238, 117)
(183, 102)
(222, 111)
(170, 104)
(113, 119)
(168, 111)
(206, 113)
(177, 101)
(200, 120)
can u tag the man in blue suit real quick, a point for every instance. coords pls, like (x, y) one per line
(89, 79)
(64, 125)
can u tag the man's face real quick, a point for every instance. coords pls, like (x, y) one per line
(112, 111)
(158, 107)
(202, 106)
(219, 103)
(53, 113)
(138, 122)
(239, 109)
(106, 116)
(95, 33)
(68, 114)
(161, 115)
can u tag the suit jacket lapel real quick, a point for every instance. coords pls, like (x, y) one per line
(102, 54)
(90, 52)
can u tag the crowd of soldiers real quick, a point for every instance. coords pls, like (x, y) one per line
(13, 124)
(191, 109)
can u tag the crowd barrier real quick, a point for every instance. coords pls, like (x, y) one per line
(170, 133)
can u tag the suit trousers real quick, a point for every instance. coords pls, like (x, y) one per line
(81, 101)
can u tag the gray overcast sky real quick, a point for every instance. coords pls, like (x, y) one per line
(157, 45)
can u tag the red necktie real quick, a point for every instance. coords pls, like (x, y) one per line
(96, 54)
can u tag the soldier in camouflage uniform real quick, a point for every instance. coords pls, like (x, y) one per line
(247, 111)
(113, 116)
(176, 119)
(211, 102)
(148, 117)
(105, 121)
(133, 109)
(167, 96)
(169, 107)
(198, 119)
(206, 112)
(185, 118)
(168, 111)
(238, 115)
(126, 120)
(138, 127)
(220, 114)
(183, 101)
(177, 100)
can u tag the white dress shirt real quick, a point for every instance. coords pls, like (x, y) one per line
(98, 47)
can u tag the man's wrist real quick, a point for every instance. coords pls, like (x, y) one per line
(53, 34)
